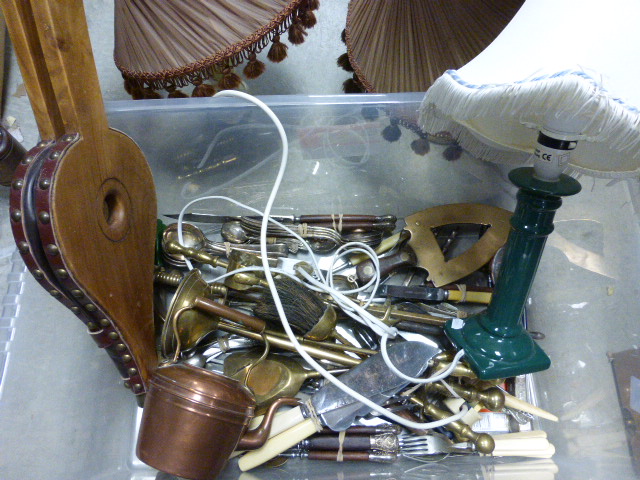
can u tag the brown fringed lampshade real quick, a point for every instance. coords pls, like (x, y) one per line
(165, 45)
(404, 46)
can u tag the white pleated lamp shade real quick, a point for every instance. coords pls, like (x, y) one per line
(570, 67)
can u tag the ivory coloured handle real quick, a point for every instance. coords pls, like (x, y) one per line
(514, 402)
(278, 444)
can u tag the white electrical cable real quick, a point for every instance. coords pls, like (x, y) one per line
(384, 330)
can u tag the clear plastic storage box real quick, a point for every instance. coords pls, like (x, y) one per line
(63, 410)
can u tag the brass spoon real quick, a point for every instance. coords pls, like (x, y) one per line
(192, 236)
(196, 239)
(273, 377)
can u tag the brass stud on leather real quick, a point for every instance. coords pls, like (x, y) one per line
(77, 293)
(68, 138)
(62, 273)
(127, 384)
(54, 293)
(126, 358)
(104, 322)
(137, 387)
(23, 247)
(52, 249)
(113, 335)
(44, 184)
(121, 347)
(92, 326)
(17, 184)
(38, 274)
(44, 217)
(16, 215)
(75, 310)
(132, 372)
(27, 160)
(42, 144)
(56, 154)
(90, 307)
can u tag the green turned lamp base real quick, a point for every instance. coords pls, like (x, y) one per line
(492, 356)
(496, 344)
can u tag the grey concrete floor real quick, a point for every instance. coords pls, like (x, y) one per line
(310, 68)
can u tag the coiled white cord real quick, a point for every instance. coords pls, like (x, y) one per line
(359, 313)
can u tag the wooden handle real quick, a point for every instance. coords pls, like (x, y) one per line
(403, 258)
(514, 402)
(333, 442)
(347, 456)
(348, 218)
(278, 444)
(68, 55)
(21, 25)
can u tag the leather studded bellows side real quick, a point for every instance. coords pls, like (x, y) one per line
(83, 203)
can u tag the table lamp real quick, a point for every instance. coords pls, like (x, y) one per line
(557, 89)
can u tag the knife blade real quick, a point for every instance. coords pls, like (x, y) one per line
(336, 409)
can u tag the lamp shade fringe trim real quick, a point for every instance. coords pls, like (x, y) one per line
(219, 63)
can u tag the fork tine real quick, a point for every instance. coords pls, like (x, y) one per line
(424, 444)
(413, 438)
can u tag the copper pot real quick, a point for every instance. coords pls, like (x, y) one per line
(193, 419)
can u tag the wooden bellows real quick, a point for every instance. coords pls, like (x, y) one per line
(83, 203)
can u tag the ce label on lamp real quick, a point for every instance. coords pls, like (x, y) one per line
(551, 155)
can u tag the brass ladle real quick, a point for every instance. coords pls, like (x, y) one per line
(270, 378)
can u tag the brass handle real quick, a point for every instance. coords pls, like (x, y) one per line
(175, 248)
(483, 442)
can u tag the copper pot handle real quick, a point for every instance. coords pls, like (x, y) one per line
(258, 436)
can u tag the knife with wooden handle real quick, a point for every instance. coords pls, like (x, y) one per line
(86, 224)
